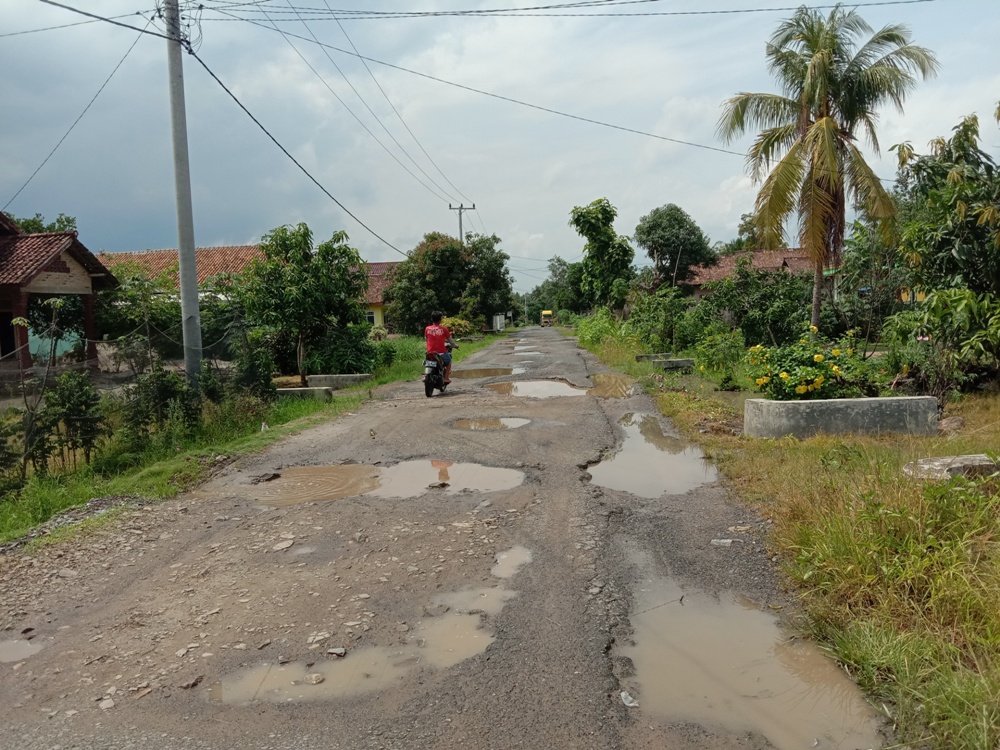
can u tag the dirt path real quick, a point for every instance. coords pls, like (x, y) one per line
(392, 580)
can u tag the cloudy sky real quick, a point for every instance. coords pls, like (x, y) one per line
(524, 168)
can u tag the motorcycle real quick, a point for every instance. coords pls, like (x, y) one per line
(434, 373)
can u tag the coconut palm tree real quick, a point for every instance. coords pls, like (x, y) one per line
(832, 81)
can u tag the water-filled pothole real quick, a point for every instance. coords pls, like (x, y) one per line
(16, 650)
(650, 463)
(536, 389)
(439, 642)
(724, 662)
(611, 385)
(303, 484)
(490, 423)
(510, 562)
(486, 372)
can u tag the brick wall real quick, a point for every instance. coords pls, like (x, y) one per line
(64, 275)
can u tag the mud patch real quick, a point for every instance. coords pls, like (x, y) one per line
(495, 423)
(650, 463)
(510, 562)
(724, 662)
(308, 484)
(536, 389)
(611, 385)
(438, 642)
(16, 650)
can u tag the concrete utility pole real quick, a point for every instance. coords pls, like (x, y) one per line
(461, 208)
(190, 317)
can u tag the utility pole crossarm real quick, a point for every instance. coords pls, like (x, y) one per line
(461, 208)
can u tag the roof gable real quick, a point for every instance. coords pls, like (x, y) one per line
(793, 260)
(211, 261)
(24, 256)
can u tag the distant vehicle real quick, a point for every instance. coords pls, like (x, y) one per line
(546, 318)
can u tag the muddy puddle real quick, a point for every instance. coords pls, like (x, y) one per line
(490, 423)
(726, 663)
(611, 385)
(510, 562)
(650, 463)
(18, 649)
(304, 484)
(486, 372)
(536, 389)
(437, 642)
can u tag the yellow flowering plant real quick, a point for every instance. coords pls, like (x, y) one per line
(812, 367)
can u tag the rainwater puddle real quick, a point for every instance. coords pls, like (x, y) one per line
(16, 650)
(486, 372)
(439, 642)
(524, 348)
(650, 464)
(536, 389)
(307, 484)
(497, 423)
(611, 385)
(526, 354)
(724, 662)
(511, 561)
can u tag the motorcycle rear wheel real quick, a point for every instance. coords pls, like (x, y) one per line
(428, 387)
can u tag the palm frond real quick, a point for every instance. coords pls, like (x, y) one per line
(867, 192)
(768, 147)
(747, 111)
(777, 197)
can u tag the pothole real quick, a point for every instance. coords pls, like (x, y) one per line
(725, 662)
(536, 389)
(486, 372)
(439, 642)
(303, 484)
(490, 423)
(611, 385)
(510, 562)
(650, 464)
(18, 649)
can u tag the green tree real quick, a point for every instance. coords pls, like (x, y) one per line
(952, 238)
(833, 83)
(674, 242)
(305, 291)
(607, 261)
(37, 224)
(746, 238)
(433, 277)
(490, 287)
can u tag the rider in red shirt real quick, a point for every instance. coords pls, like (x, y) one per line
(438, 337)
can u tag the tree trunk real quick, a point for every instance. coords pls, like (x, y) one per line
(817, 292)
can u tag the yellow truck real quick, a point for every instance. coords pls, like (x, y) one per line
(546, 318)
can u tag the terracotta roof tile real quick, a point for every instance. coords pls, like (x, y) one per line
(789, 259)
(231, 259)
(23, 256)
(8, 225)
(211, 261)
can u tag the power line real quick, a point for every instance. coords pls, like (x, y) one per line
(329, 88)
(68, 25)
(500, 96)
(103, 18)
(289, 155)
(412, 134)
(77, 120)
(518, 12)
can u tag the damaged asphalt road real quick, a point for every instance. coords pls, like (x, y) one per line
(460, 571)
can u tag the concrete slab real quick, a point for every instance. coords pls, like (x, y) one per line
(946, 467)
(913, 415)
(674, 364)
(649, 357)
(337, 381)
(321, 394)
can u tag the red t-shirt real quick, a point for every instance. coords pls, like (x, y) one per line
(436, 337)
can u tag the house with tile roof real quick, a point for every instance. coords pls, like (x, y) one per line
(213, 261)
(44, 264)
(791, 260)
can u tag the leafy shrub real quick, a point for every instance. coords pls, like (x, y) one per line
(378, 333)
(385, 355)
(597, 326)
(653, 316)
(252, 372)
(694, 324)
(721, 354)
(567, 318)
(813, 367)
(348, 350)
(459, 327)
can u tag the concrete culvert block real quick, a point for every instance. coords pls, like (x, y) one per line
(320, 394)
(337, 381)
(674, 364)
(946, 467)
(911, 415)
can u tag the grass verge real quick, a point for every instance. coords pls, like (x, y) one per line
(900, 578)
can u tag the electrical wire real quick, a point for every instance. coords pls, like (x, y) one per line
(393, 106)
(103, 18)
(80, 117)
(289, 155)
(68, 25)
(370, 110)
